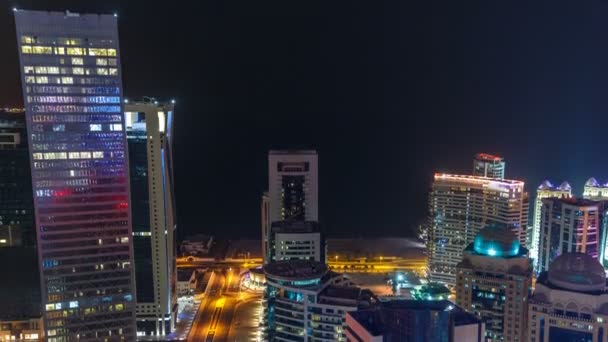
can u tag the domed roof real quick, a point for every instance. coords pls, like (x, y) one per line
(496, 240)
(592, 182)
(545, 185)
(565, 186)
(577, 272)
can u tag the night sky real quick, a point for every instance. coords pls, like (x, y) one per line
(387, 92)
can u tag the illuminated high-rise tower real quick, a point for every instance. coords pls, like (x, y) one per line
(595, 191)
(460, 206)
(71, 78)
(150, 141)
(545, 190)
(488, 165)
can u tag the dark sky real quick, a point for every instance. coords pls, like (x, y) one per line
(387, 92)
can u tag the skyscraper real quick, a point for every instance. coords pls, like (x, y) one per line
(568, 225)
(16, 204)
(292, 190)
(545, 190)
(493, 281)
(70, 73)
(460, 206)
(595, 191)
(570, 301)
(149, 135)
(265, 216)
(488, 165)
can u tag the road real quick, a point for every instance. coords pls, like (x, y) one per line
(213, 321)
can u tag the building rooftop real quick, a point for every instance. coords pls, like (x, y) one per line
(496, 240)
(488, 157)
(478, 180)
(295, 227)
(579, 202)
(277, 152)
(296, 269)
(577, 272)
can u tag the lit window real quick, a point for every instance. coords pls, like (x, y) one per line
(77, 61)
(97, 52)
(119, 307)
(116, 127)
(112, 52)
(28, 69)
(101, 61)
(2, 240)
(73, 304)
(59, 128)
(102, 71)
(75, 51)
(67, 80)
(42, 79)
(60, 51)
(27, 40)
(30, 79)
(85, 155)
(113, 71)
(37, 156)
(26, 49)
(95, 127)
(42, 50)
(97, 154)
(112, 61)
(78, 71)
(41, 70)
(124, 240)
(58, 306)
(74, 155)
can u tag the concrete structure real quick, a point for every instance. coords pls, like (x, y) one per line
(304, 301)
(300, 240)
(293, 193)
(595, 191)
(545, 190)
(149, 127)
(460, 206)
(414, 320)
(570, 301)
(488, 165)
(265, 216)
(568, 225)
(71, 82)
(16, 204)
(493, 282)
(197, 245)
(186, 281)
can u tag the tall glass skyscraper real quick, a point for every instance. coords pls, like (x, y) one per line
(149, 128)
(70, 73)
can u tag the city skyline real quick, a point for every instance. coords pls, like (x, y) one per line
(352, 126)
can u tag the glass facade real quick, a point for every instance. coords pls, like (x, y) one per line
(293, 198)
(72, 91)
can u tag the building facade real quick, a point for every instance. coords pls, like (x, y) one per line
(570, 301)
(71, 79)
(460, 206)
(595, 191)
(149, 128)
(16, 204)
(414, 320)
(494, 280)
(293, 193)
(488, 165)
(545, 190)
(297, 240)
(304, 301)
(568, 225)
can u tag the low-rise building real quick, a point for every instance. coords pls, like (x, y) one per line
(570, 301)
(414, 320)
(186, 281)
(197, 245)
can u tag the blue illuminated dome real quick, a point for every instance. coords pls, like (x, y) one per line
(496, 240)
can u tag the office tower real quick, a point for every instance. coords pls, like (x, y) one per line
(16, 204)
(304, 301)
(299, 240)
(488, 165)
(72, 92)
(493, 282)
(414, 320)
(595, 191)
(292, 189)
(265, 215)
(149, 136)
(545, 190)
(568, 225)
(570, 301)
(460, 206)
